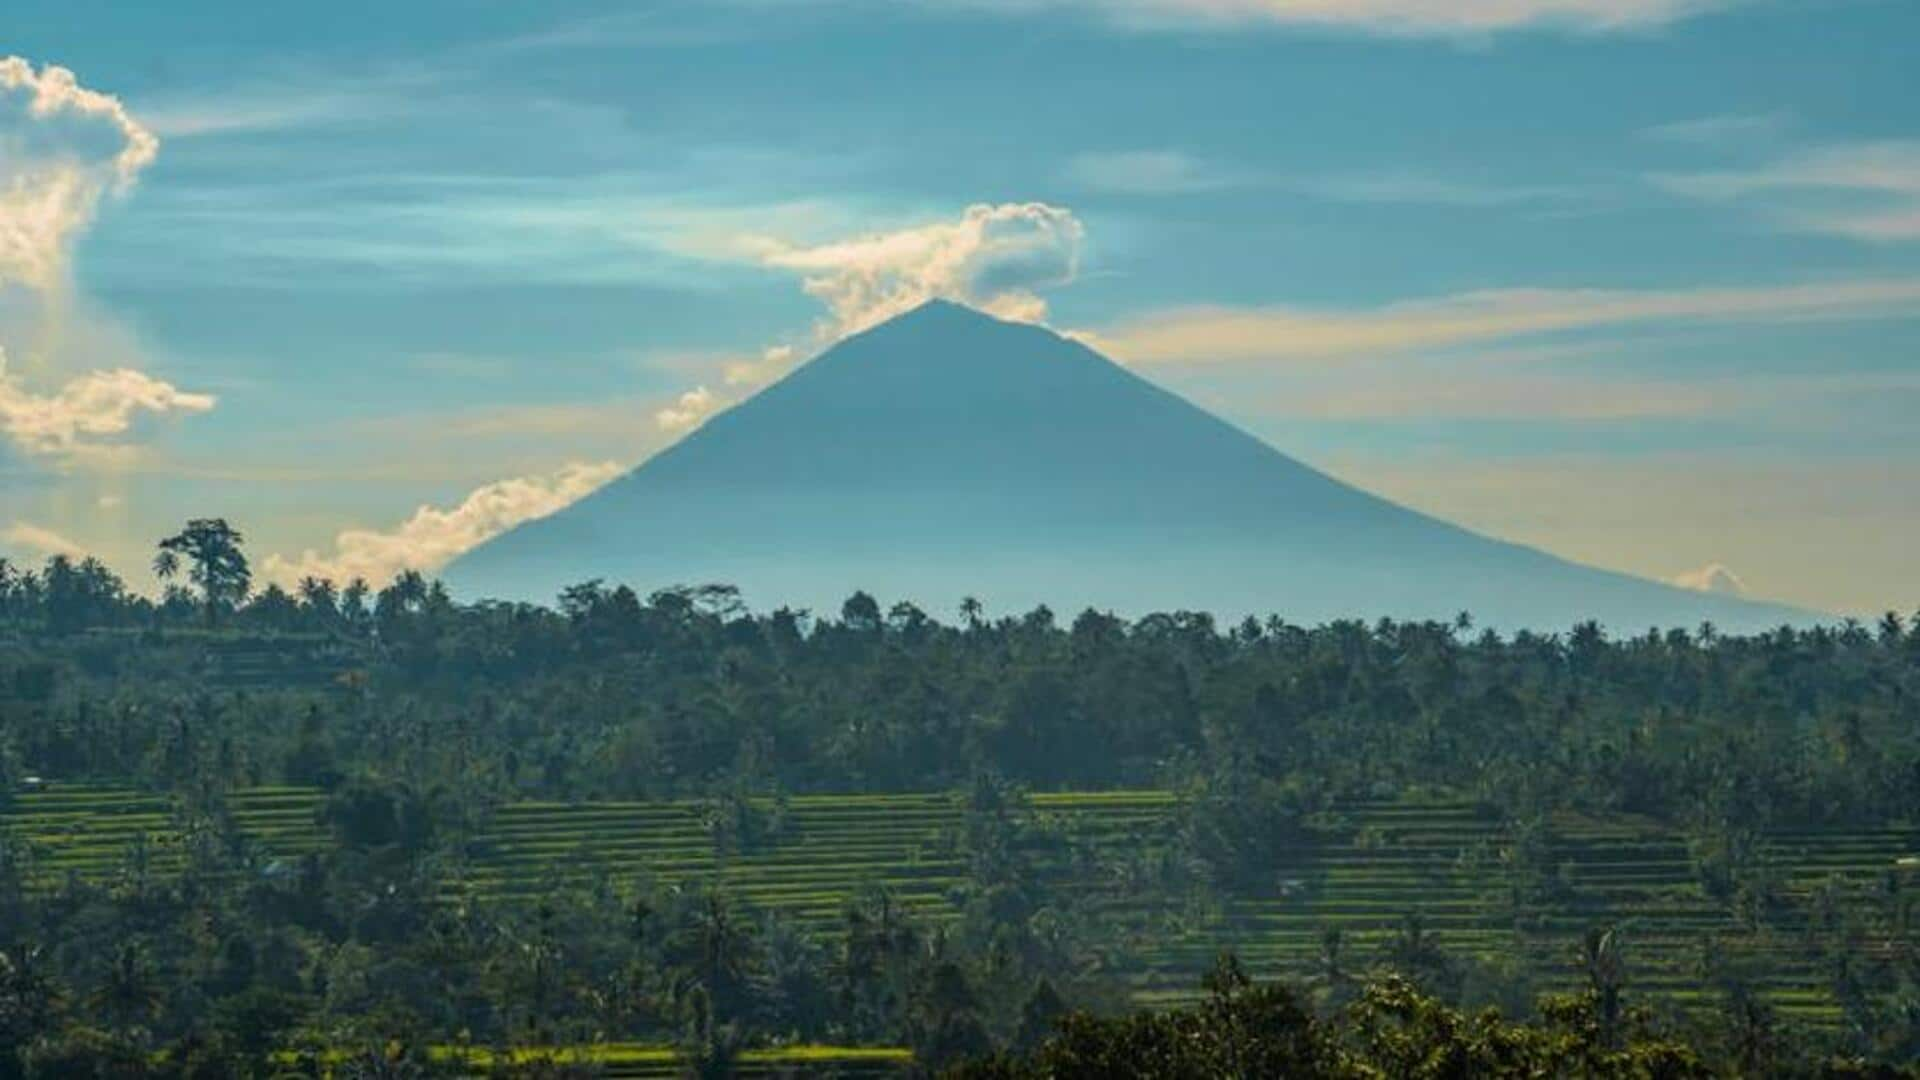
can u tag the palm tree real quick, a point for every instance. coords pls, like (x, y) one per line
(321, 599)
(127, 994)
(407, 593)
(725, 955)
(1414, 951)
(1600, 955)
(1331, 979)
(353, 600)
(218, 567)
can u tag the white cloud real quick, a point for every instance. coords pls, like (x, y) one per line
(62, 148)
(433, 537)
(1145, 172)
(1719, 129)
(38, 540)
(1414, 188)
(1397, 18)
(773, 362)
(461, 365)
(996, 258)
(1401, 389)
(1865, 191)
(1225, 334)
(1711, 578)
(260, 108)
(689, 411)
(88, 414)
(741, 374)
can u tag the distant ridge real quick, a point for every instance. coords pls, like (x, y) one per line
(945, 453)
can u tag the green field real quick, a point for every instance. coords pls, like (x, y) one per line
(632, 1061)
(1374, 863)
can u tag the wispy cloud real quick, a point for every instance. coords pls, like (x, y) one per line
(1147, 172)
(1721, 129)
(1590, 382)
(432, 537)
(250, 110)
(690, 226)
(607, 423)
(1428, 189)
(40, 541)
(428, 81)
(1281, 334)
(461, 365)
(1175, 172)
(1866, 191)
(1392, 18)
(1397, 391)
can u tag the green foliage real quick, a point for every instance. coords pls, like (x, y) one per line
(215, 564)
(1051, 818)
(1241, 1029)
(370, 813)
(1242, 827)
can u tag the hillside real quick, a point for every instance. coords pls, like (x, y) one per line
(1368, 870)
(946, 454)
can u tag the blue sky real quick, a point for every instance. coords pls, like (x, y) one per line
(1634, 280)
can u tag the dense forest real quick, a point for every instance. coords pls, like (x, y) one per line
(418, 719)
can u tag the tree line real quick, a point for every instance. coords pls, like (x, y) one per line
(419, 715)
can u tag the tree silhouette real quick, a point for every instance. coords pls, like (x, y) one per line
(211, 548)
(320, 599)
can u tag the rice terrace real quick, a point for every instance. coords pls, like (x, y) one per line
(1378, 879)
(963, 539)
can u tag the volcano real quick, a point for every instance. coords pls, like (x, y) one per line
(946, 454)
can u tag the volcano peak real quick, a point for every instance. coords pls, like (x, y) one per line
(947, 453)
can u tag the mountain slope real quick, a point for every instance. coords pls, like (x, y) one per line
(945, 454)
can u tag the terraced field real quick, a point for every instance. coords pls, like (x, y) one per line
(634, 1061)
(94, 833)
(1381, 862)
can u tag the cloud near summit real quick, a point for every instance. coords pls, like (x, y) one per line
(1711, 578)
(994, 257)
(997, 258)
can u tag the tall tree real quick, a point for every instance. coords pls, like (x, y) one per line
(211, 549)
